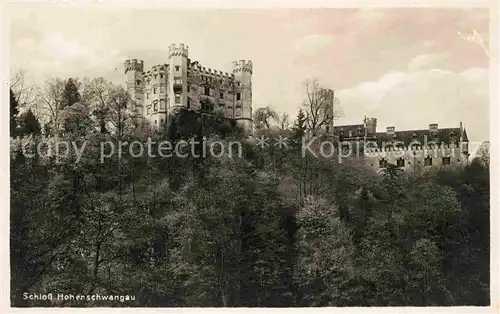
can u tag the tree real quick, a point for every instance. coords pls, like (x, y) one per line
(319, 106)
(70, 95)
(29, 124)
(51, 97)
(283, 121)
(262, 117)
(95, 93)
(300, 126)
(14, 111)
(24, 91)
(122, 117)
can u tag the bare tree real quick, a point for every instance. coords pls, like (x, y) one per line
(319, 106)
(284, 121)
(96, 95)
(24, 91)
(50, 97)
(120, 113)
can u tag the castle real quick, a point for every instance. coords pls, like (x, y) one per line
(409, 150)
(183, 83)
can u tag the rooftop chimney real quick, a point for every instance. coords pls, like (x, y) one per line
(433, 127)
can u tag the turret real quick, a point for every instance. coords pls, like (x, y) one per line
(178, 60)
(242, 70)
(135, 82)
(370, 126)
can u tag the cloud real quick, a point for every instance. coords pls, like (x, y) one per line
(426, 61)
(415, 99)
(58, 47)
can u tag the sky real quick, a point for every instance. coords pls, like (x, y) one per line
(407, 67)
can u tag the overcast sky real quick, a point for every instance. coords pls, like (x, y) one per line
(406, 67)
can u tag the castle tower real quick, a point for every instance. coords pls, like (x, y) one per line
(135, 83)
(177, 76)
(327, 97)
(370, 126)
(242, 71)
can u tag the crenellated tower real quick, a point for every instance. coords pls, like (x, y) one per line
(370, 126)
(242, 70)
(178, 61)
(134, 70)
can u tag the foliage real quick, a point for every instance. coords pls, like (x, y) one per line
(14, 111)
(29, 124)
(271, 228)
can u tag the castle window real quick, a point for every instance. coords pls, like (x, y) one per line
(148, 110)
(138, 82)
(446, 160)
(156, 122)
(154, 90)
(382, 163)
(177, 99)
(189, 103)
(428, 161)
(161, 122)
(238, 112)
(155, 106)
(161, 75)
(188, 88)
(327, 129)
(221, 82)
(162, 104)
(162, 89)
(148, 95)
(177, 68)
(400, 162)
(238, 84)
(221, 95)
(238, 96)
(207, 91)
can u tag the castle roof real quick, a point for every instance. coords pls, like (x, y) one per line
(441, 135)
(447, 135)
(349, 130)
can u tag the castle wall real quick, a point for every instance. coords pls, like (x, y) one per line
(415, 159)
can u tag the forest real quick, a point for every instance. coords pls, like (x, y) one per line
(269, 229)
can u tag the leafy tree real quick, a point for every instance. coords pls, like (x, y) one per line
(262, 117)
(70, 95)
(29, 123)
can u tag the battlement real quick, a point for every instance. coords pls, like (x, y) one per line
(209, 71)
(134, 65)
(178, 50)
(242, 66)
(155, 70)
